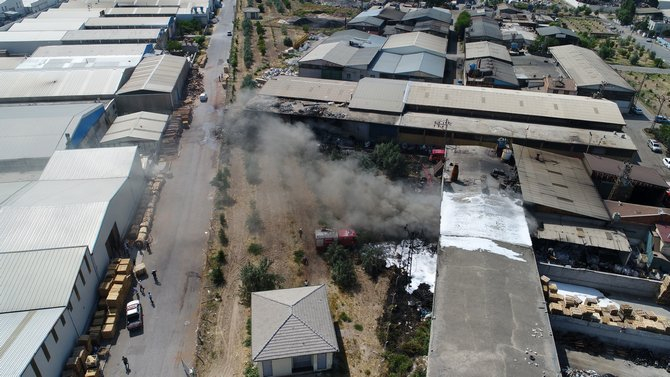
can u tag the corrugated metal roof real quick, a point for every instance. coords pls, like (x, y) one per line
(587, 69)
(37, 131)
(307, 88)
(9, 189)
(66, 192)
(142, 125)
(21, 335)
(518, 102)
(291, 322)
(558, 182)
(501, 72)
(38, 279)
(415, 42)
(370, 40)
(46, 24)
(379, 95)
(64, 12)
(553, 30)
(477, 50)
(43, 84)
(124, 11)
(121, 49)
(156, 74)
(438, 14)
(78, 62)
(128, 21)
(47, 227)
(337, 53)
(615, 168)
(421, 64)
(484, 27)
(363, 57)
(369, 20)
(592, 237)
(32, 36)
(117, 35)
(10, 62)
(90, 163)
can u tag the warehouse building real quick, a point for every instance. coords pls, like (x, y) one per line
(91, 36)
(142, 129)
(48, 297)
(26, 42)
(489, 64)
(484, 29)
(593, 76)
(47, 24)
(87, 56)
(166, 23)
(31, 134)
(29, 86)
(157, 85)
(379, 109)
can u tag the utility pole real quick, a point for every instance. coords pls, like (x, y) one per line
(589, 145)
(661, 101)
(443, 125)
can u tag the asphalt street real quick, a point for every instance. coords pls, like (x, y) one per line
(166, 346)
(661, 51)
(635, 125)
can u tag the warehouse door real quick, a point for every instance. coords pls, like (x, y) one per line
(113, 243)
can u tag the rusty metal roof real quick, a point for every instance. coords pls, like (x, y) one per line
(615, 167)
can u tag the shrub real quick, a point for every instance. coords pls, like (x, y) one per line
(288, 42)
(344, 317)
(222, 220)
(255, 248)
(358, 327)
(256, 278)
(216, 275)
(373, 261)
(223, 238)
(298, 255)
(398, 364)
(221, 257)
(250, 370)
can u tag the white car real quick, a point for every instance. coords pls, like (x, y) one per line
(636, 110)
(654, 145)
(666, 162)
(134, 315)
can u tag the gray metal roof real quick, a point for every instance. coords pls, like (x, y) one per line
(486, 49)
(363, 57)
(369, 40)
(418, 65)
(555, 30)
(30, 85)
(88, 35)
(337, 53)
(142, 125)
(37, 131)
(128, 21)
(438, 14)
(46, 227)
(369, 20)
(484, 27)
(47, 24)
(291, 322)
(379, 95)
(66, 192)
(21, 335)
(120, 49)
(38, 279)
(307, 88)
(559, 182)
(79, 62)
(9, 189)
(415, 42)
(588, 69)
(127, 11)
(33, 36)
(156, 74)
(501, 71)
(96, 163)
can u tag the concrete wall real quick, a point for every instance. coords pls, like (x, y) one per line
(602, 281)
(612, 335)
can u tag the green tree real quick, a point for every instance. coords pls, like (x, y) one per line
(255, 278)
(373, 261)
(387, 158)
(606, 51)
(626, 12)
(634, 59)
(658, 62)
(652, 55)
(216, 275)
(463, 21)
(342, 269)
(173, 45)
(288, 42)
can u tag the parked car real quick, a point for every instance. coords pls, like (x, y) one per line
(134, 315)
(661, 119)
(666, 162)
(636, 110)
(230, 33)
(203, 97)
(654, 145)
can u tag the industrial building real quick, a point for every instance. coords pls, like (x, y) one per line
(166, 23)
(86, 56)
(31, 134)
(484, 29)
(156, 85)
(489, 64)
(379, 109)
(562, 35)
(593, 76)
(142, 129)
(59, 233)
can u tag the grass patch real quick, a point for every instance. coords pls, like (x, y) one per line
(247, 340)
(298, 255)
(358, 327)
(255, 248)
(343, 317)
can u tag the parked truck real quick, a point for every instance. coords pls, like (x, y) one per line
(325, 237)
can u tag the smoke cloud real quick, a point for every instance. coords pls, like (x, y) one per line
(348, 194)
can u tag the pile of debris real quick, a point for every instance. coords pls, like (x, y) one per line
(570, 372)
(625, 316)
(664, 293)
(274, 72)
(195, 85)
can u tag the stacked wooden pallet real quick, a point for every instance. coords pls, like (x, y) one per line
(590, 310)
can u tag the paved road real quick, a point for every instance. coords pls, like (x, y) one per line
(180, 233)
(632, 68)
(635, 125)
(661, 51)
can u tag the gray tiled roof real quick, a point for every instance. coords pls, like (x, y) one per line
(291, 322)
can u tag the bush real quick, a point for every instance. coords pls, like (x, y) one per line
(398, 364)
(344, 317)
(250, 370)
(254, 222)
(173, 45)
(247, 340)
(288, 42)
(387, 158)
(298, 255)
(248, 82)
(634, 59)
(256, 278)
(222, 220)
(255, 248)
(221, 257)
(342, 269)
(358, 327)
(223, 238)
(216, 275)
(373, 261)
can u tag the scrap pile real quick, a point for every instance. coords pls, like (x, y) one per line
(664, 293)
(590, 310)
(113, 292)
(144, 219)
(83, 362)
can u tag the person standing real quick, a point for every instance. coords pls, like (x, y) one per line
(153, 273)
(125, 363)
